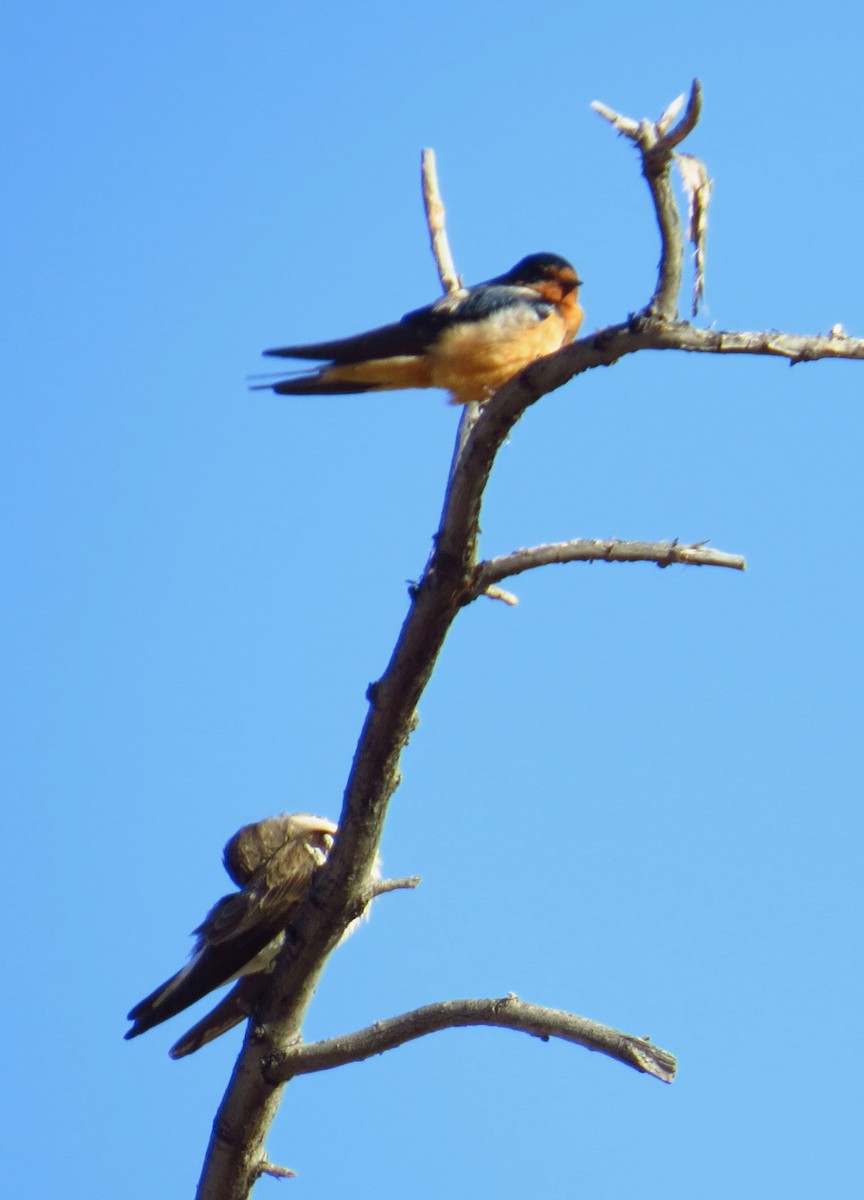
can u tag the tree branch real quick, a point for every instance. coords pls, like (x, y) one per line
(697, 186)
(496, 593)
(607, 346)
(435, 217)
(236, 1150)
(656, 143)
(449, 581)
(506, 1013)
(603, 349)
(450, 281)
(268, 1168)
(381, 886)
(664, 554)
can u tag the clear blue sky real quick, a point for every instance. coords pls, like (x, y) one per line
(636, 796)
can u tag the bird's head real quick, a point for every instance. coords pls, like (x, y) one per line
(543, 269)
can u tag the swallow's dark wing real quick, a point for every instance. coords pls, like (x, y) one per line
(211, 965)
(272, 893)
(417, 330)
(239, 932)
(410, 336)
(234, 1007)
(410, 353)
(390, 341)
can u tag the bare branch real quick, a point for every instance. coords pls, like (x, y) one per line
(506, 1013)
(664, 554)
(655, 168)
(697, 187)
(268, 1168)
(670, 113)
(450, 280)
(626, 126)
(602, 349)
(250, 1101)
(450, 581)
(435, 214)
(496, 593)
(656, 144)
(608, 345)
(381, 886)
(458, 533)
(690, 119)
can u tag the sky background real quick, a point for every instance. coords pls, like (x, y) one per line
(636, 796)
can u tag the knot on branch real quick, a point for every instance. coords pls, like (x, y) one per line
(646, 321)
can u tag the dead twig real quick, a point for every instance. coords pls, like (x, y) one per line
(664, 554)
(507, 1013)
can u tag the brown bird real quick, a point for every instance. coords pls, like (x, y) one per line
(469, 342)
(273, 862)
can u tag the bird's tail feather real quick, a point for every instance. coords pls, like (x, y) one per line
(233, 1008)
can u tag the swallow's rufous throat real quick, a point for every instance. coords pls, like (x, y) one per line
(470, 342)
(273, 862)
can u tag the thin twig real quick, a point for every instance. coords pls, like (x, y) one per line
(506, 1013)
(450, 279)
(688, 122)
(664, 554)
(608, 345)
(625, 125)
(697, 185)
(435, 215)
(380, 887)
(670, 112)
(497, 593)
(268, 1168)
(656, 143)
(602, 349)
(251, 1100)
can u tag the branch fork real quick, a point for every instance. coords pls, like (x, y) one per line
(657, 142)
(454, 576)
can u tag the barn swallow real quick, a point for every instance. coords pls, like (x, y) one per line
(470, 342)
(273, 862)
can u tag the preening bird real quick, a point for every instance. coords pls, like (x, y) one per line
(469, 342)
(273, 862)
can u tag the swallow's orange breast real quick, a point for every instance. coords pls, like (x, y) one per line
(472, 359)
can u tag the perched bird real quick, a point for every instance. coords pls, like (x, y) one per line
(470, 342)
(273, 862)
